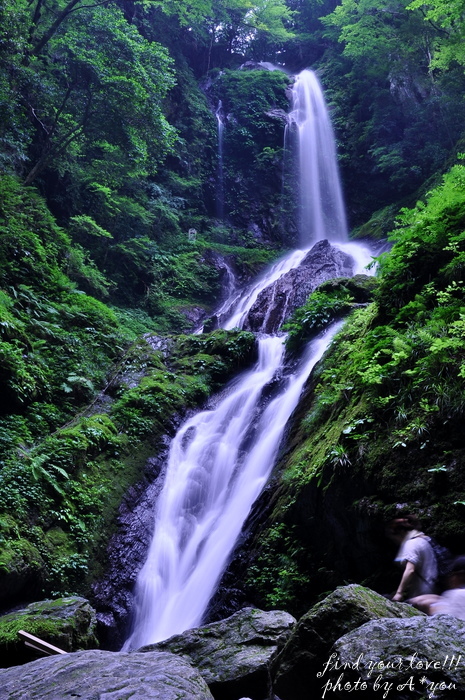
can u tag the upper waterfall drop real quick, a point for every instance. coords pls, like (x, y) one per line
(321, 204)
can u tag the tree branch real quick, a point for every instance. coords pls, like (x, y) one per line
(87, 7)
(61, 145)
(45, 38)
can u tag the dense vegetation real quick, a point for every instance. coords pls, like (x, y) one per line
(110, 230)
(380, 427)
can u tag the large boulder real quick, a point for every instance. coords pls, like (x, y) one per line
(89, 675)
(67, 623)
(348, 607)
(234, 655)
(421, 657)
(275, 303)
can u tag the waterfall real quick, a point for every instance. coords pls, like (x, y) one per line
(321, 205)
(221, 458)
(219, 462)
(220, 177)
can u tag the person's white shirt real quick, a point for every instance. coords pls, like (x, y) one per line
(416, 548)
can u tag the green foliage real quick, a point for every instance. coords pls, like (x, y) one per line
(253, 142)
(385, 99)
(449, 16)
(83, 271)
(428, 252)
(15, 132)
(32, 246)
(85, 225)
(54, 341)
(65, 490)
(249, 261)
(218, 355)
(317, 313)
(275, 577)
(378, 29)
(236, 23)
(105, 67)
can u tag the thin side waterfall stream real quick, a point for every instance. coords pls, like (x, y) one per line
(221, 459)
(220, 174)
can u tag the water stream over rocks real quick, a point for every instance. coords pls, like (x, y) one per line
(220, 459)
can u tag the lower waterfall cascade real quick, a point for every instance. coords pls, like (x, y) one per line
(219, 462)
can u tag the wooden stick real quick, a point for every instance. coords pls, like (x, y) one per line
(39, 644)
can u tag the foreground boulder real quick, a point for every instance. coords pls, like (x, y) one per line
(67, 623)
(422, 657)
(234, 655)
(89, 675)
(348, 607)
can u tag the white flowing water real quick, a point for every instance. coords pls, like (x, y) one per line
(219, 462)
(230, 290)
(321, 205)
(362, 256)
(220, 177)
(238, 310)
(221, 458)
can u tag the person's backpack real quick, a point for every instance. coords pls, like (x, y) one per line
(444, 559)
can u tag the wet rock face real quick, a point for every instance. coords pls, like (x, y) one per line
(96, 674)
(276, 303)
(113, 594)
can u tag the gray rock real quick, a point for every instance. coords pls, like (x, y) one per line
(127, 549)
(234, 655)
(348, 607)
(279, 114)
(422, 657)
(194, 314)
(275, 304)
(67, 623)
(91, 675)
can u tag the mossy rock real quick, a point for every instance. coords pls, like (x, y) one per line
(380, 223)
(22, 569)
(67, 623)
(345, 609)
(361, 287)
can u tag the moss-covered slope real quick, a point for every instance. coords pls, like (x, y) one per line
(84, 400)
(380, 427)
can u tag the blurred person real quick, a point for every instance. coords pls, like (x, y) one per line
(415, 556)
(452, 601)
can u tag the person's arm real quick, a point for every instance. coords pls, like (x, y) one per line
(404, 581)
